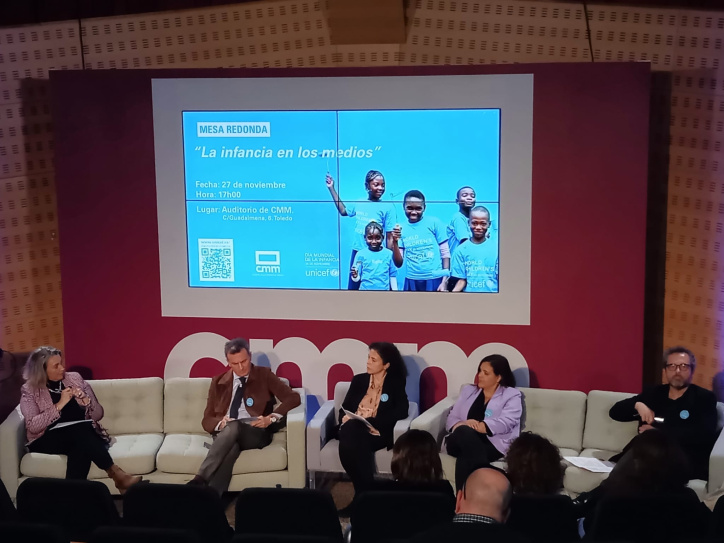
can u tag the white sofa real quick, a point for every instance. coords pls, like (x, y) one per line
(580, 426)
(323, 452)
(157, 433)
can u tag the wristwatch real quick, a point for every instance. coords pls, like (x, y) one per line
(273, 418)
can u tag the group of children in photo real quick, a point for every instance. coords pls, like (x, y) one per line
(461, 256)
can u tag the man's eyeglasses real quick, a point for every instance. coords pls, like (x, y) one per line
(680, 367)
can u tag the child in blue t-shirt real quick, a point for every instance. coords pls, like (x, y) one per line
(423, 246)
(475, 263)
(364, 212)
(459, 228)
(373, 267)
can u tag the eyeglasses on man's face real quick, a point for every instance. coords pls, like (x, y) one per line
(681, 367)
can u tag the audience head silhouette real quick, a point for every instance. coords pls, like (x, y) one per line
(534, 465)
(654, 463)
(415, 458)
(486, 492)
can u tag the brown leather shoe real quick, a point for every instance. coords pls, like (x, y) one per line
(122, 480)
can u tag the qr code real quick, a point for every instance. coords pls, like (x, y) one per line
(216, 259)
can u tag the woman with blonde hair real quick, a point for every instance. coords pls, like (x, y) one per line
(61, 417)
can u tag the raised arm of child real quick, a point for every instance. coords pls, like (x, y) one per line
(335, 197)
(398, 253)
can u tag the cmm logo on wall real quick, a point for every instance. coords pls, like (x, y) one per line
(268, 263)
(315, 364)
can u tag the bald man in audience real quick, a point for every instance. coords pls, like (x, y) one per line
(481, 509)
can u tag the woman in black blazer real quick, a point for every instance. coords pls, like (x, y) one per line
(379, 397)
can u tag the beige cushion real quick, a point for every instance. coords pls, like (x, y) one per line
(135, 454)
(183, 453)
(184, 403)
(577, 480)
(131, 406)
(601, 431)
(555, 414)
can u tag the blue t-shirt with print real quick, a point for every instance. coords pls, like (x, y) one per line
(457, 230)
(421, 241)
(477, 263)
(374, 268)
(366, 212)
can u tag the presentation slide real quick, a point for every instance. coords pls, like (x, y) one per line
(343, 200)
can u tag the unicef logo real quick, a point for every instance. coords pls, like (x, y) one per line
(334, 272)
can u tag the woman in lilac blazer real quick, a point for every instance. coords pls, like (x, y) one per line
(485, 419)
(61, 417)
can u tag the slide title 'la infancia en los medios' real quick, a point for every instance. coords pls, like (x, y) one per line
(237, 152)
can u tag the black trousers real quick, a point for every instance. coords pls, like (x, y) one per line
(217, 468)
(357, 449)
(80, 443)
(472, 449)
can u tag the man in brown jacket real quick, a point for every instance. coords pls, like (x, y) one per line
(240, 413)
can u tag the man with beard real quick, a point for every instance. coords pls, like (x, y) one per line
(684, 411)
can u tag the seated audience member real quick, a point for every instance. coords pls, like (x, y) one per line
(485, 418)
(240, 413)
(680, 409)
(379, 398)
(482, 506)
(534, 466)
(416, 465)
(61, 417)
(653, 465)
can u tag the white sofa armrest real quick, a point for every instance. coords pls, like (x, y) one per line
(716, 465)
(319, 431)
(12, 449)
(296, 424)
(433, 420)
(402, 426)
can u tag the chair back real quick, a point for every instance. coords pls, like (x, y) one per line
(558, 415)
(716, 530)
(340, 393)
(126, 534)
(645, 518)
(287, 512)
(76, 506)
(544, 518)
(266, 538)
(8, 513)
(185, 507)
(393, 514)
(31, 532)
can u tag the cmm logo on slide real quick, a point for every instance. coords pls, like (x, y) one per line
(268, 262)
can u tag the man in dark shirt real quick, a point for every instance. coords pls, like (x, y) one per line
(684, 411)
(481, 509)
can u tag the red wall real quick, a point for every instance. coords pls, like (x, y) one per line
(590, 148)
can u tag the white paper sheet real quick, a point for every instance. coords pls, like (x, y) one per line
(357, 417)
(64, 424)
(593, 465)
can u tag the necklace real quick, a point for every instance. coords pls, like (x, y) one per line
(57, 390)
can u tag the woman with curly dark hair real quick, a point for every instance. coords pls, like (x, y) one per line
(378, 396)
(534, 465)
